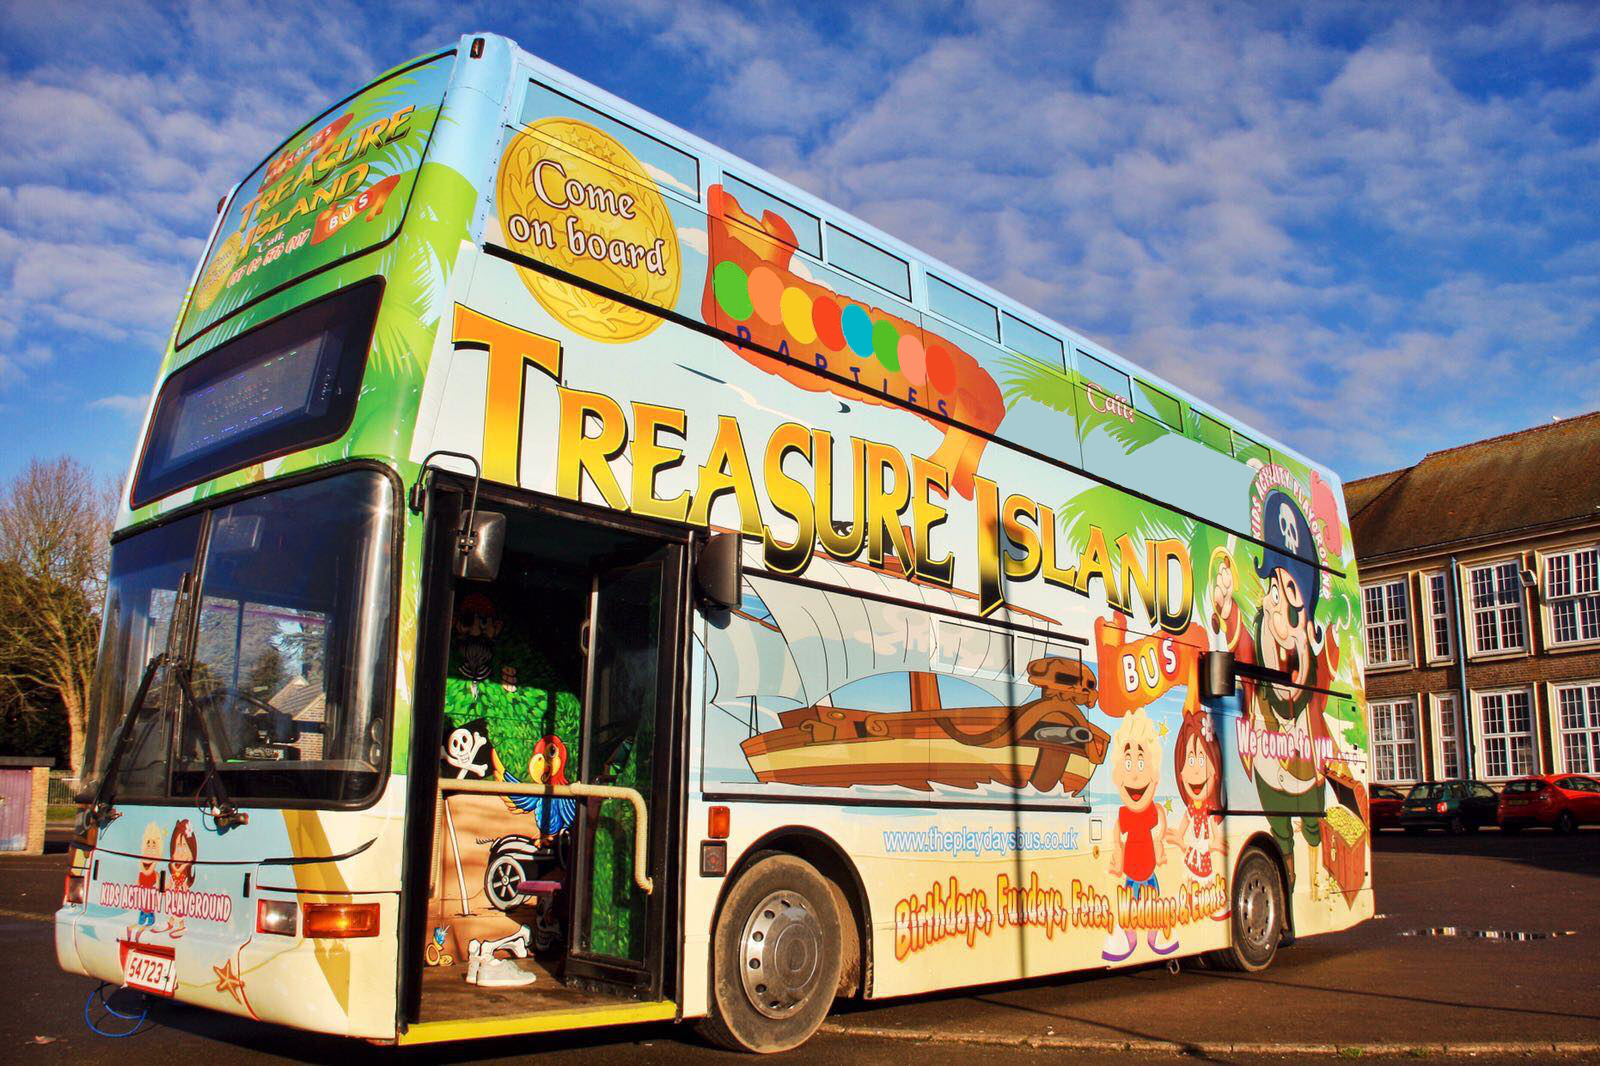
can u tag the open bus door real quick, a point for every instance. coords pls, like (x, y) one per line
(600, 601)
(620, 933)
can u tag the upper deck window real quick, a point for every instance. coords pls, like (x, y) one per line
(296, 214)
(963, 308)
(1212, 432)
(670, 167)
(757, 202)
(281, 387)
(1031, 341)
(1245, 449)
(1106, 378)
(869, 262)
(1157, 404)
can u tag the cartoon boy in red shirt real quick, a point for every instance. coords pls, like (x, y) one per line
(1139, 840)
(149, 877)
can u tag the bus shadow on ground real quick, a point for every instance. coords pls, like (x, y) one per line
(299, 1046)
(1576, 853)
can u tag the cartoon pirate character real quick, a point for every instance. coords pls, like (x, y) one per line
(1138, 842)
(1288, 639)
(477, 627)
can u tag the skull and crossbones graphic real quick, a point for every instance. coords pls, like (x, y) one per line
(1290, 530)
(461, 751)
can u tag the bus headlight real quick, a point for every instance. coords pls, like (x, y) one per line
(277, 916)
(75, 891)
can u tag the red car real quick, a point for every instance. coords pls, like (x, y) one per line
(1562, 802)
(1385, 807)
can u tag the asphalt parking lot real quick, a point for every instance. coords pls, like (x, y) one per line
(1437, 974)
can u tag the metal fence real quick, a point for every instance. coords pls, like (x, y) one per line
(62, 788)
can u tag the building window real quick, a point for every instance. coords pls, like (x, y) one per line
(1497, 607)
(1388, 623)
(1441, 616)
(1506, 720)
(1447, 718)
(1578, 708)
(1572, 589)
(1394, 740)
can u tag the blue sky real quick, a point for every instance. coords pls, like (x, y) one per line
(1368, 229)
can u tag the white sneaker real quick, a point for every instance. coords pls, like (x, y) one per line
(494, 972)
(516, 943)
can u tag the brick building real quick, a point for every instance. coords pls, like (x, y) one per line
(1493, 546)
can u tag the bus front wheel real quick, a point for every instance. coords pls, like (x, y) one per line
(1258, 915)
(775, 957)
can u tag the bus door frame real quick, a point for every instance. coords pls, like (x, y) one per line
(587, 967)
(660, 977)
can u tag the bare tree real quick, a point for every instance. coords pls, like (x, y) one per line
(55, 521)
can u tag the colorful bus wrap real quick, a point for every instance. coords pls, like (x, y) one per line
(573, 577)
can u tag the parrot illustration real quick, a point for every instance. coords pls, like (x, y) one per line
(546, 766)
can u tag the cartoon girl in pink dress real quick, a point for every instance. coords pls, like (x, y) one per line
(184, 849)
(1198, 767)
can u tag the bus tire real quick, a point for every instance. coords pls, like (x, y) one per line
(1258, 916)
(775, 957)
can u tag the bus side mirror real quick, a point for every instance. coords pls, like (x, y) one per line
(719, 571)
(1216, 675)
(478, 549)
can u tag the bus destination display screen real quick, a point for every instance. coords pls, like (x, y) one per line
(252, 398)
(287, 385)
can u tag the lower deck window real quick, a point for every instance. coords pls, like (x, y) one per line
(1394, 740)
(1578, 707)
(1507, 722)
(1449, 730)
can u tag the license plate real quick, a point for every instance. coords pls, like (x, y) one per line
(149, 972)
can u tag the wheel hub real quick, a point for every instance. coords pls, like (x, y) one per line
(780, 954)
(1256, 911)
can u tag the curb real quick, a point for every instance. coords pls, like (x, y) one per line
(1172, 1047)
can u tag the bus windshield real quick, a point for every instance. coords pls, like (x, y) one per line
(289, 650)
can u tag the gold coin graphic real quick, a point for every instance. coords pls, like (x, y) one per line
(570, 195)
(209, 287)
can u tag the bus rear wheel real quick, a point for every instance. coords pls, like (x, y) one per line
(775, 957)
(1258, 916)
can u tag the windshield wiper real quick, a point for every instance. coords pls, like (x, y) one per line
(227, 816)
(101, 812)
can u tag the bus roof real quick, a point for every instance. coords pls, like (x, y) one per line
(827, 212)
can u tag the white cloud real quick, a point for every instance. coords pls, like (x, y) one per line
(1336, 222)
(127, 406)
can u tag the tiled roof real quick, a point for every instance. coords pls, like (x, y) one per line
(1536, 477)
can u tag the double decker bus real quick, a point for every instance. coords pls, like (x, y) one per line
(571, 576)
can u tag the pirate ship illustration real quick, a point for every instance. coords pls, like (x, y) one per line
(1047, 742)
(791, 663)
